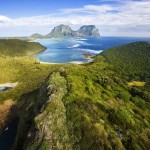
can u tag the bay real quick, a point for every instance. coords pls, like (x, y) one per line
(69, 50)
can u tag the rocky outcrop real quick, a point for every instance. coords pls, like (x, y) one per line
(29, 105)
(42, 121)
(50, 130)
(87, 31)
(60, 31)
(64, 31)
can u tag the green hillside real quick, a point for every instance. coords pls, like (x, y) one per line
(16, 66)
(82, 107)
(131, 60)
(16, 47)
(99, 110)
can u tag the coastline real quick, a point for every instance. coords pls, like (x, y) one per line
(87, 55)
(89, 60)
(71, 62)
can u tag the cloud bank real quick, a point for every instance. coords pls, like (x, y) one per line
(127, 18)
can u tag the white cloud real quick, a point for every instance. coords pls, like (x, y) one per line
(89, 9)
(4, 19)
(117, 18)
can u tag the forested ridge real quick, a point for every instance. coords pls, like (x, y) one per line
(101, 105)
(131, 60)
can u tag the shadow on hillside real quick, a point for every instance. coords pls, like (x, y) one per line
(9, 130)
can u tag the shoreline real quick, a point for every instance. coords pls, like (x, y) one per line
(71, 62)
(87, 56)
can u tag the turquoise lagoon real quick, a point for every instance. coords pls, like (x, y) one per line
(69, 50)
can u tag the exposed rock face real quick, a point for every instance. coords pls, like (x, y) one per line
(43, 120)
(60, 31)
(50, 124)
(88, 31)
(36, 36)
(29, 105)
(64, 31)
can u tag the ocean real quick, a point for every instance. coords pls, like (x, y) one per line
(72, 50)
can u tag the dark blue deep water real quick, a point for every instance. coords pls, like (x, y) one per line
(72, 49)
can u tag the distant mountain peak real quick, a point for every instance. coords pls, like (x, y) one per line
(65, 31)
(60, 31)
(89, 31)
(36, 36)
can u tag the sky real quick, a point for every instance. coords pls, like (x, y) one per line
(130, 18)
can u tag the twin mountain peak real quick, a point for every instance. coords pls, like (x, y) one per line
(64, 31)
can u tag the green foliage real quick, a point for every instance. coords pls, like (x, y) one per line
(124, 95)
(140, 103)
(26, 72)
(131, 60)
(16, 47)
(89, 106)
(120, 117)
(15, 67)
(52, 122)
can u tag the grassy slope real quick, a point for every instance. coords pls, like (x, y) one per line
(99, 111)
(26, 71)
(102, 110)
(16, 47)
(15, 66)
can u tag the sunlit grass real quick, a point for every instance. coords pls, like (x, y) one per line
(137, 83)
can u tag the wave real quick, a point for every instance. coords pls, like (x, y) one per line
(83, 39)
(91, 51)
(74, 46)
(83, 42)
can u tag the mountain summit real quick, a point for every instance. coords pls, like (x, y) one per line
(88, 31)
(64, 31)
(60, 31)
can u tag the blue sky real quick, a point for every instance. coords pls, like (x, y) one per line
(25, 8)
(112, 17)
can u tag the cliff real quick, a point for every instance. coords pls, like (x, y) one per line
(64, 31)
(60, 31)
(87, 31)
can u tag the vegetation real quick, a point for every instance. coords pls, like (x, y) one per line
(89, 106)
(136, 83)
(102, 110)
(16, 47)
(15, 66)
(131, 60)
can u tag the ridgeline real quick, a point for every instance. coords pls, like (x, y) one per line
(89, 106)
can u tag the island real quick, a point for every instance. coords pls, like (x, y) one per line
(64, 31)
